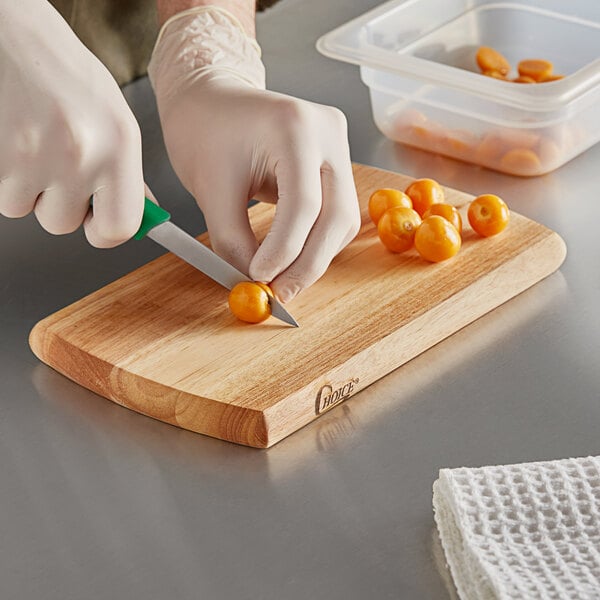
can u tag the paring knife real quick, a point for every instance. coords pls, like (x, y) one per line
(157, 225)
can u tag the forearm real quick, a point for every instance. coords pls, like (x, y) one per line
(244, 10)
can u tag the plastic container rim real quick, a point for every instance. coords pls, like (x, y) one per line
(541, 98)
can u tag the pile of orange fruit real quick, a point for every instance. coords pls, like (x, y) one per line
(417, 217)
(532, 70)
(420, 217)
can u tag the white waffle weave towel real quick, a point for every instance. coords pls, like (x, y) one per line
(522, 531)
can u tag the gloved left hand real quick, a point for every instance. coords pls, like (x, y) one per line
(230, 140)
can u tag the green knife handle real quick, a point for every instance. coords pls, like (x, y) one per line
(153, 215)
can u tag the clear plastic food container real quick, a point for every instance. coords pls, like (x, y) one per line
(418, 59)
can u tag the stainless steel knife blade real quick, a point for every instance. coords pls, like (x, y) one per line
(195, 253)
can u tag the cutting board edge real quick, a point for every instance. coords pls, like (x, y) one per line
(222, 420)
(300, 402)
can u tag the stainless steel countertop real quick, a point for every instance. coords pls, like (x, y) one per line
(98, 502)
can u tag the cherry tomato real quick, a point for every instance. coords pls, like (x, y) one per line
(488, 215)
(447, 211)
(437, 239)
(381, 200)
(249, 301)
(397, 227)
(424, 193)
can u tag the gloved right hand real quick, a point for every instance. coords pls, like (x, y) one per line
(66, 132)
(230, 140)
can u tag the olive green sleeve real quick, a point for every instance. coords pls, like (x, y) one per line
(121, 33)
(264, 4)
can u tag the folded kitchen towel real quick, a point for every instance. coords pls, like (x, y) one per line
(522, 531)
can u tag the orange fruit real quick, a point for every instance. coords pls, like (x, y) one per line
(381, 200)
(489, 59)
(488, 215)
(494, 74)
(490, 148)
(460, 141)
(249, 301)
(396, 228)
(523, 79)
(437, 239)
(424, 193)
(536, 68)
(551, 78)
(447, 211)
(521, 161)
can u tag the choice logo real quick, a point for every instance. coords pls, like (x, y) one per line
(328, 397)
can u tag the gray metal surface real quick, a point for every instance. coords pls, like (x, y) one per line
(98, 502)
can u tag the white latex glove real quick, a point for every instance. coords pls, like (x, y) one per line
(229, 141)
(66, 132)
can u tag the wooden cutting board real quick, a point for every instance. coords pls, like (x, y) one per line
(161, 340)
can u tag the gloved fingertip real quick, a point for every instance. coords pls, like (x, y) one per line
(259, 271)
(286, 295)
(285, 291)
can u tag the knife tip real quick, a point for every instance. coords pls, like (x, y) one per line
(287, 318)
(279, 312)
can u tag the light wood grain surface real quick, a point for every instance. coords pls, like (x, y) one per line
(161, 340)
